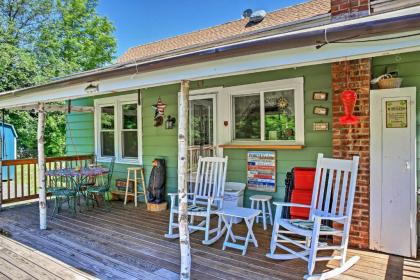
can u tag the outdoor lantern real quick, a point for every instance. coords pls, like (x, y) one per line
(348, 97)
(170, 122)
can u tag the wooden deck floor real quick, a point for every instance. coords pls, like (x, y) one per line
(128, 243)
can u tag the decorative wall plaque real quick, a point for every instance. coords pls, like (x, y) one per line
(396, 114)
(320, 95)
(319, 110)
(261, 171)
(320, 126)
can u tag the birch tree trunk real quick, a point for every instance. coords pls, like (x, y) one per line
(41, 167)
(184, 236)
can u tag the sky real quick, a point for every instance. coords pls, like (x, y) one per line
(142, 21)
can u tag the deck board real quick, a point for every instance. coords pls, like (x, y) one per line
(128, 243)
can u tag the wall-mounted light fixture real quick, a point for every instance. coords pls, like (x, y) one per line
(170, 122)
(92, 88)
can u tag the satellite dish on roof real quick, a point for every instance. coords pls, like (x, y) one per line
(257, 16)
(247, 13)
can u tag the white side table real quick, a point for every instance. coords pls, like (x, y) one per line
(261, 202)
(239, 212)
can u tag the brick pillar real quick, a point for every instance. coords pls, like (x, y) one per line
(349, 140)
(349, 9)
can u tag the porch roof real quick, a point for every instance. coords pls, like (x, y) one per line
(289, 49)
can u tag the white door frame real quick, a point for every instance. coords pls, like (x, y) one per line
(212, 93)
(376, 164)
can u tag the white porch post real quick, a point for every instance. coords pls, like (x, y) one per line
(184, 237)
(41, 167)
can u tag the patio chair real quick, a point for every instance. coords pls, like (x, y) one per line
(205, 200)
(332, 201)
(102, 189)
(59, 194)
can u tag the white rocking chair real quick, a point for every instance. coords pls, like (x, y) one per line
(332, 201)
(206, 199)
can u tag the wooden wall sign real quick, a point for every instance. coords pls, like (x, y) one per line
(261, 171)
(320, 95)
(320, 126)
(319, 110)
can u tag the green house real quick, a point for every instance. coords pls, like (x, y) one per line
(275, 86)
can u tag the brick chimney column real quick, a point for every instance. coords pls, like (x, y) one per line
(349, 9)
(349, 140)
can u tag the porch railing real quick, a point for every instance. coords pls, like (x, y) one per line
(20, 176)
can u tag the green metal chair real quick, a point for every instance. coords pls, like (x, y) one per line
(101, 189)
(61, 194)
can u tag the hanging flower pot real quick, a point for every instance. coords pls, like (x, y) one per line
(348, 98)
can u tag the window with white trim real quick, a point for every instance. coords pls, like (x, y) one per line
(107, 131)
(118, 128)
(269, 112)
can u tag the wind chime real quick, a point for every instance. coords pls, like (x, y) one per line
(348, 98)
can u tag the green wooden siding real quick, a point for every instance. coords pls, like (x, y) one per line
(159, 142)
(80, 130)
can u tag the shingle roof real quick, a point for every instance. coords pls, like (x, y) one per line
(228, 30)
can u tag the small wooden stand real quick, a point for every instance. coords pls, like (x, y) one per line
(153, 207)
(135, 179)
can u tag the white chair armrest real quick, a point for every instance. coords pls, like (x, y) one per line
(334, 219)
(175, 194)
(289, 204)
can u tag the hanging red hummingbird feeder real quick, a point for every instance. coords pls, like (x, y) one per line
(348, 97)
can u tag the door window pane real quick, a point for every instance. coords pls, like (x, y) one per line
(247, 117)
(279, 119)
(201, 122)
(129, 116)
(107, 117)
(107, 143)
(130, 144)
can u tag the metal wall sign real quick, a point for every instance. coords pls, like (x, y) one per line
(261, 171)
(396, 114)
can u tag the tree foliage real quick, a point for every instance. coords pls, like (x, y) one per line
(44, 39)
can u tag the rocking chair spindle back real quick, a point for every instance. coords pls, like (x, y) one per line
(332, 202)
(205, 200)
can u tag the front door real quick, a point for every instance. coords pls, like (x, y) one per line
(393, 171)
(201, 129)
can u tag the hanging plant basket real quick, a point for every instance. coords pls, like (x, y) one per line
(387, 81)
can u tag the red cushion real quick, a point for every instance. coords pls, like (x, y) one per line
(300, 197)
(304, 178)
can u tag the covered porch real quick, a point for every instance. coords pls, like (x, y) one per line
(129, 243)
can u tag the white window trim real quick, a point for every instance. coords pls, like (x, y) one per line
(297, 84)
(117, 102)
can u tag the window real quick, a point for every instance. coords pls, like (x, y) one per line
(279, 115)
(247, 117)
(107, 131)
(268, 112)
(129, 131)
(118, 130)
